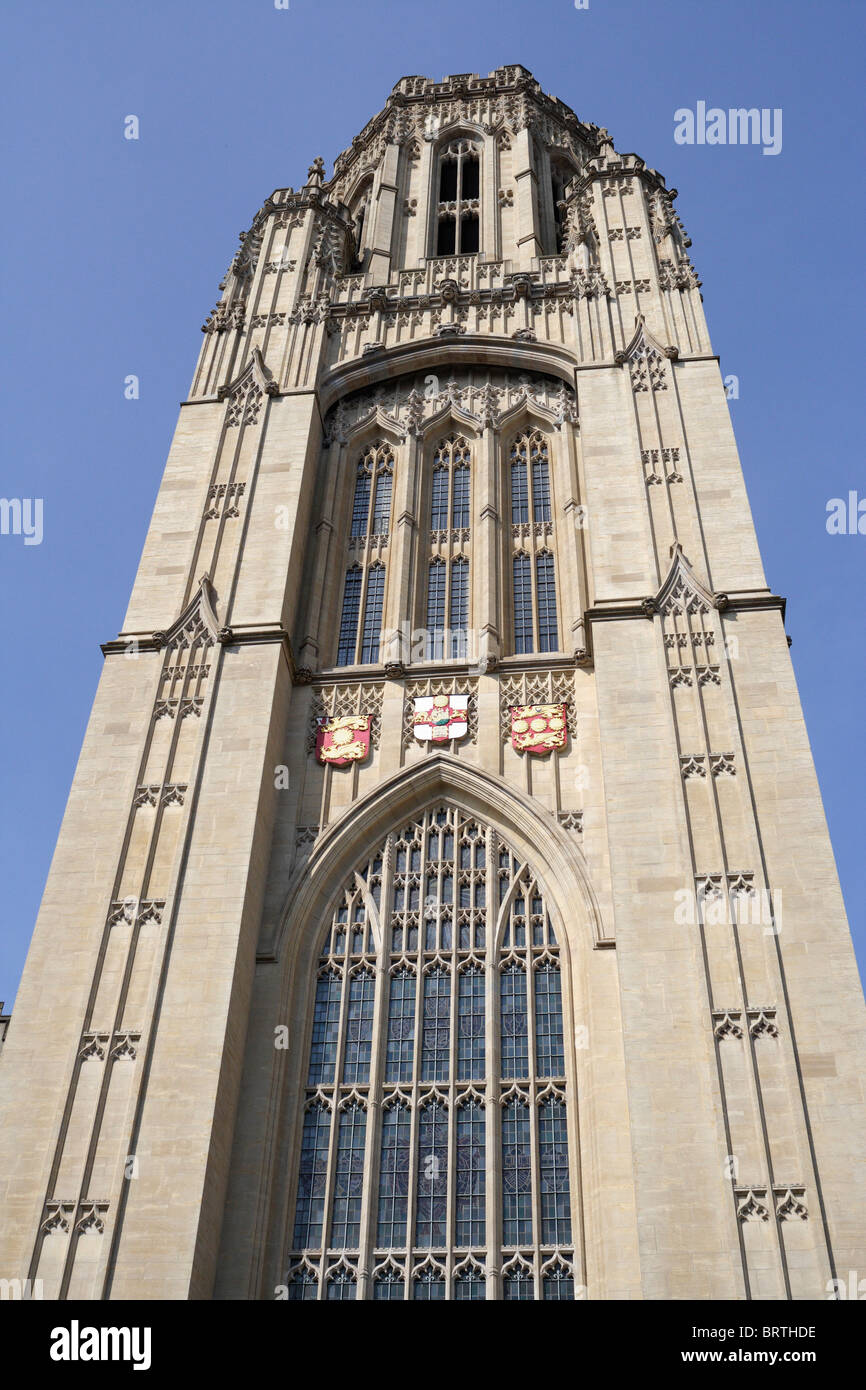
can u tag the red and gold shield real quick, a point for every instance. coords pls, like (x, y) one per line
(343, 740)
(538, 728)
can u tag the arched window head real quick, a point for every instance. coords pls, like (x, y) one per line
(374, 481)
(458, 202)
(435, 1092)
(530, 478)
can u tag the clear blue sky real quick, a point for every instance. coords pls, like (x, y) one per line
(113, 250)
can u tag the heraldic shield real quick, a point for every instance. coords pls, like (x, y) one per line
(538, 728)
(440, 717)
(343, 740)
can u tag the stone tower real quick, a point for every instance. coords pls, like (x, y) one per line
(444, 906)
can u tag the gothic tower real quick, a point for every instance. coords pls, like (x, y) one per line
(444, 907)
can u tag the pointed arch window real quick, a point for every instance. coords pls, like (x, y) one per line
(401, 1102)
(530, 479)
(458, 204)
(364, 584)
(371, 505)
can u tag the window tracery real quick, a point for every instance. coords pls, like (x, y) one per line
(447, 615)
(533, 576)
(440, 948)
(458, 199)
(364, 584)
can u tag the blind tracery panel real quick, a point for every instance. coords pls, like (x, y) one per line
(434, 1145)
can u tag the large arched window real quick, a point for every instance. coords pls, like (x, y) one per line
(433, 1157)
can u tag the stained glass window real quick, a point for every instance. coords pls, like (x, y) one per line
(401, 1111)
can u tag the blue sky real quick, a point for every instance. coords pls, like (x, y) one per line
(113, 250)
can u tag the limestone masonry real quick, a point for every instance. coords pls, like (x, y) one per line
(444, 906)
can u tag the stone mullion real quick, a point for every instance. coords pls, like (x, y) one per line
(573, 561)
(572, 1113)
(493, 1070)
(328, 1217)
(333, 1137)
(397, 608)
(411, 1231)
(451, 1175)
(485, 567)
(378, 1056)
(318, 603)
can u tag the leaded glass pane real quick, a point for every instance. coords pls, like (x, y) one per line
(522, 605)
(540, 485)
(558, 1285)
(470, 1025)
(439, 508)
(389, 1284)
(469, 1211)
(460, 499)
(516, 1174)
(373, 614)
(361, 503)
(519, 492)
(431, 1208)
(326, 1027)
(548, 639)
(341, 1286)
(470, 1284)
(436, 581)
(303, 1287)
(401, 1026)
(549, 1058)
(519, 1284)
(312, 1176)
(359, 1029)
(513, 1013)
(553, 1174)
(382, 504)
(436, 1027)
(348, 1178)
(429, 1285)
(349, 617)
(394, 1178)
(459, 616)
